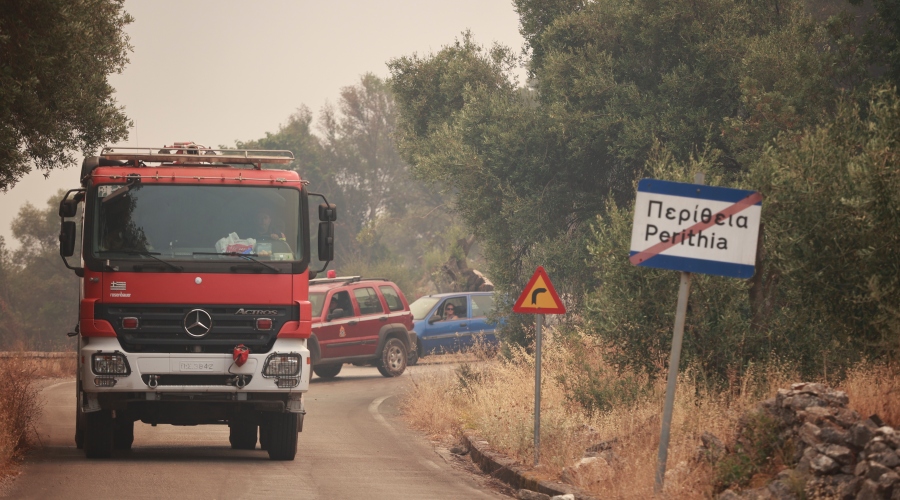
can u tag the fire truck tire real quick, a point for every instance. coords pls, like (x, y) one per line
(327, 371)
(393, 358)
(79, 428)
(123, 435)
(242, 435)
(264, 438)
(98, 434)
(283, 435)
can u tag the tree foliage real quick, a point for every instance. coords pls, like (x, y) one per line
(38, 294)
(389, 224)
(55, 56)
(621, 90)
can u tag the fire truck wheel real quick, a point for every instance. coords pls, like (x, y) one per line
(123, 435)
(242, 435)
(98, 434)
(79, 428)
(393, 358)
(327, 371)
(264, 438)
(283, 435)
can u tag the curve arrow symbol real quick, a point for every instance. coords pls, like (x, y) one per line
(535, 293)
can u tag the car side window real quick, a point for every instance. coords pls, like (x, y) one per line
(368, 301)
(453, 308)
(390, 296)
(482, 305)
(341, 300)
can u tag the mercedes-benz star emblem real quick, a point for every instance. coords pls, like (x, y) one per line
(197, 323)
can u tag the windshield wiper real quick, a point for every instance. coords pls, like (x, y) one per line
(152, 255)
(248, 256)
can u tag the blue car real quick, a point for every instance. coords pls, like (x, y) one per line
(450, 322)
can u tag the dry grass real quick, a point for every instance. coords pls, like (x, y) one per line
(494, 397)
(19, 409)
(873, 389)
(51, 367)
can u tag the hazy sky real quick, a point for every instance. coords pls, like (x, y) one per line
(218, 71)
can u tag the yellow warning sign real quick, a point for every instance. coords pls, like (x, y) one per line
(539, 296)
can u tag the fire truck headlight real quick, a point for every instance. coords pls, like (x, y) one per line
(110, 364)
(282, 365)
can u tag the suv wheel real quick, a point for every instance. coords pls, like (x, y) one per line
(393, 358)
(327, 371)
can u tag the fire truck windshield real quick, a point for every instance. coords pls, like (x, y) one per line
(197, 222)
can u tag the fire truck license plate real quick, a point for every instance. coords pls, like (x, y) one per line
(197, 366)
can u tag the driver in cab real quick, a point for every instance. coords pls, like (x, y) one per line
(265, 232)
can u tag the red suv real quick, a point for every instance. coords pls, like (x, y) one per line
(364, 321)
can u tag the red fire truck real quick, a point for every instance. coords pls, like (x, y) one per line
(194, 266)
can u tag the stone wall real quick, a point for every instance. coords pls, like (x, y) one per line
(837, 453)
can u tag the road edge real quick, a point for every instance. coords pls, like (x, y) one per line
(513, 474)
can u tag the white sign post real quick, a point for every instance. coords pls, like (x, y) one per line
(692, 228)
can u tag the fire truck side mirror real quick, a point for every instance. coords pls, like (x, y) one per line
(68, 208)
(67, 239)
(326, 241)
(327, 212)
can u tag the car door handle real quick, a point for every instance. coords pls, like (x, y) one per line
(352, 322)
(383, 318)
(462, 324)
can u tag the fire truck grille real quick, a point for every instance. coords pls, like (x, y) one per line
(163, 328)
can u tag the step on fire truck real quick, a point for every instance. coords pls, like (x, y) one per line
(194, 308)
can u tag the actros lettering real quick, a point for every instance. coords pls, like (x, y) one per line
(257, 312)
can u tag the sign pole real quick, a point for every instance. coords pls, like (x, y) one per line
(537, 390)
(539, 297)
(684, 290)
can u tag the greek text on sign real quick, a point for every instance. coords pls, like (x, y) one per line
(695, 228)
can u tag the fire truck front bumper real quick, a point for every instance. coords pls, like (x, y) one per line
(105, 368)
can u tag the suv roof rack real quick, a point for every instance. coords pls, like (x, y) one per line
(344, 280)
(196, 154)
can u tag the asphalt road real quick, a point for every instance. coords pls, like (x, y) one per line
(353, 445)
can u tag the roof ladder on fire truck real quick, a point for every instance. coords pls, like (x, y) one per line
(195, 155)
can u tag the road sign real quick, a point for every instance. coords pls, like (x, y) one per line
(539, 296)
(695, 228)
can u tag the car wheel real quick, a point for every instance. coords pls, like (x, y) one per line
(123, 432)
(98, 434)
(327, 371)
(242, 435)
(413, 357)
(282, 432)
(393, 358)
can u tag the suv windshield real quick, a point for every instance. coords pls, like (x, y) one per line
(197, 222)
(421, 306)
(318, 301)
